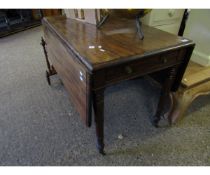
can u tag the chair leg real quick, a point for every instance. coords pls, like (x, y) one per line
(181, 102)
(183, 98)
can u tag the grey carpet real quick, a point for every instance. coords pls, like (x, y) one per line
(39, 126)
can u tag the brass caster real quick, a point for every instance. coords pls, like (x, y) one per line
(48, 77)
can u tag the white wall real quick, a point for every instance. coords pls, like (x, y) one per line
(198, 29)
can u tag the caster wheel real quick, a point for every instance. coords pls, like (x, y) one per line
(155, 121)
(102, 152)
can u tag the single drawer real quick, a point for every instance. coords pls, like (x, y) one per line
(142, 66)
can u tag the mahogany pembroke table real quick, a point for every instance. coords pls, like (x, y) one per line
(88, 60)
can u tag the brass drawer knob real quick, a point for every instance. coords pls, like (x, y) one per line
(164, 60)
(128, 69)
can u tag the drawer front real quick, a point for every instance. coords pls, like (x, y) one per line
(72, 73)
(142, 66)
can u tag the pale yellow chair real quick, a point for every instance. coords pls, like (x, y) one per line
(196, 82)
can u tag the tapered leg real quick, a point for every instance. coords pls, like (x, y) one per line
(98, 105)
(164, 95)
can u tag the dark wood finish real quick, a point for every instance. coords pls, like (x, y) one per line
(186, 54)
(106, 56)
(169, 79)
(80, 36)
(51, 70)
(51, 12)
(98, 104)
(74, 76)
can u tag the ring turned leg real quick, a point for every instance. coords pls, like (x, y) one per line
(157, 117)
(51, 71)
(98, 105)
(163, 96)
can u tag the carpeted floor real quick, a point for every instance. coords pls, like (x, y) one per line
(39, 126)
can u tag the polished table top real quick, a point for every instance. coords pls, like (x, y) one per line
(115, 42)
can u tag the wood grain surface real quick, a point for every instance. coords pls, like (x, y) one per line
(88, 60)
(74, 75)
(116, 42)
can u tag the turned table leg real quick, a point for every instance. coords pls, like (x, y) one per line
(98, 105)
(163, 96)
(51, 71)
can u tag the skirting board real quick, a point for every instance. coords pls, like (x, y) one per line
(201, 58)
